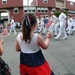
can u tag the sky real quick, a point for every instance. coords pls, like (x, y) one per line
(25, 2)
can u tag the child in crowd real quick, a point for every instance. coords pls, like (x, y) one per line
(1, 46)
(29, 44)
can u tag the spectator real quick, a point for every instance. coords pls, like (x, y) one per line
(32, 61)
(1, 46)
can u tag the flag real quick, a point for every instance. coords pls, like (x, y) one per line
(48, 24)
(4, 31)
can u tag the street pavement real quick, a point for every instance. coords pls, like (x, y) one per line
(60, 55)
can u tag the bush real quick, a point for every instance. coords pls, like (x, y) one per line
(57, 14)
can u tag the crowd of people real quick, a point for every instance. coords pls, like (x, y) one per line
(63, 24)
(30, 44)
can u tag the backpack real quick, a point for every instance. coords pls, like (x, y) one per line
(4, 68)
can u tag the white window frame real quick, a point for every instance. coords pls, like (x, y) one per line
(71, 4)
(53, 9)
(33, 9)
(38, 9)
(16, 8)
(4, 1)
(29, 9)
(25, 9)
(46, 9)
(45, 1)
(42, 10)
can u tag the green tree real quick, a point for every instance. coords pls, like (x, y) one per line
(57, 13)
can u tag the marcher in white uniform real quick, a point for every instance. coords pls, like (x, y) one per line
(46, 20)
(74, 24)
(37, 28)
(54, 19)
(70, 25)
(62, 20)
(12, 26)
(41, 25)
(56, 28)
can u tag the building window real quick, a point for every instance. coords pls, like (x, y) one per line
(29, 9)
(40, 9)
(16, 10)
(71, 4)
(53, 9)
(4, 1)
(25, 9)
(71, 11)
(45, 1)
(33, 9)
(46, 9)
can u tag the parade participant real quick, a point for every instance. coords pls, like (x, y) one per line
(54, 19)
(12, 25)
(32, 61)
(62, 20)
(38, 22)
(46, 20)
(41, 24)
(70, 25)
(73, 24)
(1, 46)
(1, 27)
(57, 24)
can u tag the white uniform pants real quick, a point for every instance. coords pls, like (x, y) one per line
(70, 29)
(12, 27)
(74, 26)
(56, 28)
(62, 30)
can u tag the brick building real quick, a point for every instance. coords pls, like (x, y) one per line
(17, 8)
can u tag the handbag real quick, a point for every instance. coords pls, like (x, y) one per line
(4, 68)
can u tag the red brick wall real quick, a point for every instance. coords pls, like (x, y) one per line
(17, 17)
(68, 6)
(11, 3)
(51, 3)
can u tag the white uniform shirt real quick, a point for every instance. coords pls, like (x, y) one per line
(38, 21)
(53, 18)
(62, 17)
(12, 22)
(70, 21)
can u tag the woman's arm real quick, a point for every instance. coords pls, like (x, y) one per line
(44, 44)
(1, 47)
(17, 47)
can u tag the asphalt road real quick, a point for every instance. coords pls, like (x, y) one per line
(60, 55)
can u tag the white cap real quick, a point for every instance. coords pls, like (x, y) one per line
(62, 9)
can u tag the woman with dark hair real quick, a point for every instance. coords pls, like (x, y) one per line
(32, 61)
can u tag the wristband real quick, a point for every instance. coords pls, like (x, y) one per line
(48, 37)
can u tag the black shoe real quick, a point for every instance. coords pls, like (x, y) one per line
(71, 33)
(43, 33)
(67, 33)
(54, 36)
